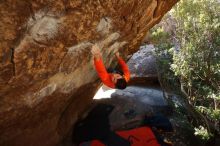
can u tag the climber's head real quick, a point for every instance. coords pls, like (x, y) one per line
(119, 81)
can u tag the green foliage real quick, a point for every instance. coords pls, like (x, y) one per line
(202, 133)
(164, 45)
(211, 113)
(197, 63)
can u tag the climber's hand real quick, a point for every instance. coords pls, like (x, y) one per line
(117, 54)
(96, 51)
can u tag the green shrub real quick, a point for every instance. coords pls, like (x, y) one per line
(197, 62)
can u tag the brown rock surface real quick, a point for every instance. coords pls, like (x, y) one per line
(46, 75)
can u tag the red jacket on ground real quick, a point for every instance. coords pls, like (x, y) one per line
(105, 76)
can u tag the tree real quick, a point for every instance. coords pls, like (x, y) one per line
(197, 62)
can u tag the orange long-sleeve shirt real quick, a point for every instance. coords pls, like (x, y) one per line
(105, 76)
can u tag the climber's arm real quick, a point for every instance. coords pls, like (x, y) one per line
(98, 63)
(124, 67)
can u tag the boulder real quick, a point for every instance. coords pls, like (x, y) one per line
(142, 64)
(47, 78)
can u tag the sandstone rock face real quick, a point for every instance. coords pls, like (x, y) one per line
(46, 74)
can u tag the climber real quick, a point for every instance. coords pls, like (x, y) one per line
(110, 79)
